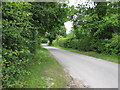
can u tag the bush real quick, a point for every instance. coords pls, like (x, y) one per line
(84, 44)
(60, 41)
(18, 43)
(44, 40)
(110, 46)
(80, 44)
(98, 45)
(113, 45)
(74, 43)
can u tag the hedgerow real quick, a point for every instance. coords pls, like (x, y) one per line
(23, 26)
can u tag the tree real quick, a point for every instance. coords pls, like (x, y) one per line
(56, 21)
(97, 24)
(23, 25)
(58, 31)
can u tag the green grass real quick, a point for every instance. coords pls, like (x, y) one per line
(112, 58)
(45, 72)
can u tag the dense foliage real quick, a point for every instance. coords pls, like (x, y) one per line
(94, 28)
(24, 24)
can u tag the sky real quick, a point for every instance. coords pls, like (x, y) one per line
(69, 24)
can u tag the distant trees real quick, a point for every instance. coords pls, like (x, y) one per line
(95, 28)
(53, 34)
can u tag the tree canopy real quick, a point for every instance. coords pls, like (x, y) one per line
(95, 28)
(24, 24)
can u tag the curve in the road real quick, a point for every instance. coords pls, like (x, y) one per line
(96, 73)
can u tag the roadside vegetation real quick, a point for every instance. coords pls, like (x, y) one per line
(108, 57)
(95, 31)
(26, 24)
(43, 72)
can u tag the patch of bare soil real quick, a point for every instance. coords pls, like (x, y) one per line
(75, 83)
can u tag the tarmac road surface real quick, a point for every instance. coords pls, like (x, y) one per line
(96, 73)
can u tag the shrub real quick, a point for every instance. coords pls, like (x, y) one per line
(45, 40)
(98, 45)
(110, 46)
(74, 43)
(84, 44)
(60, 41)
(113, 45)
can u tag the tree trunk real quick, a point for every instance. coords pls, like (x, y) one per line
(50, 42)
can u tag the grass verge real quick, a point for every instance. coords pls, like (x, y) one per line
(112, 58)
(45, 72)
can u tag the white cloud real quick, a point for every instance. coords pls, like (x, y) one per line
(68, 26)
